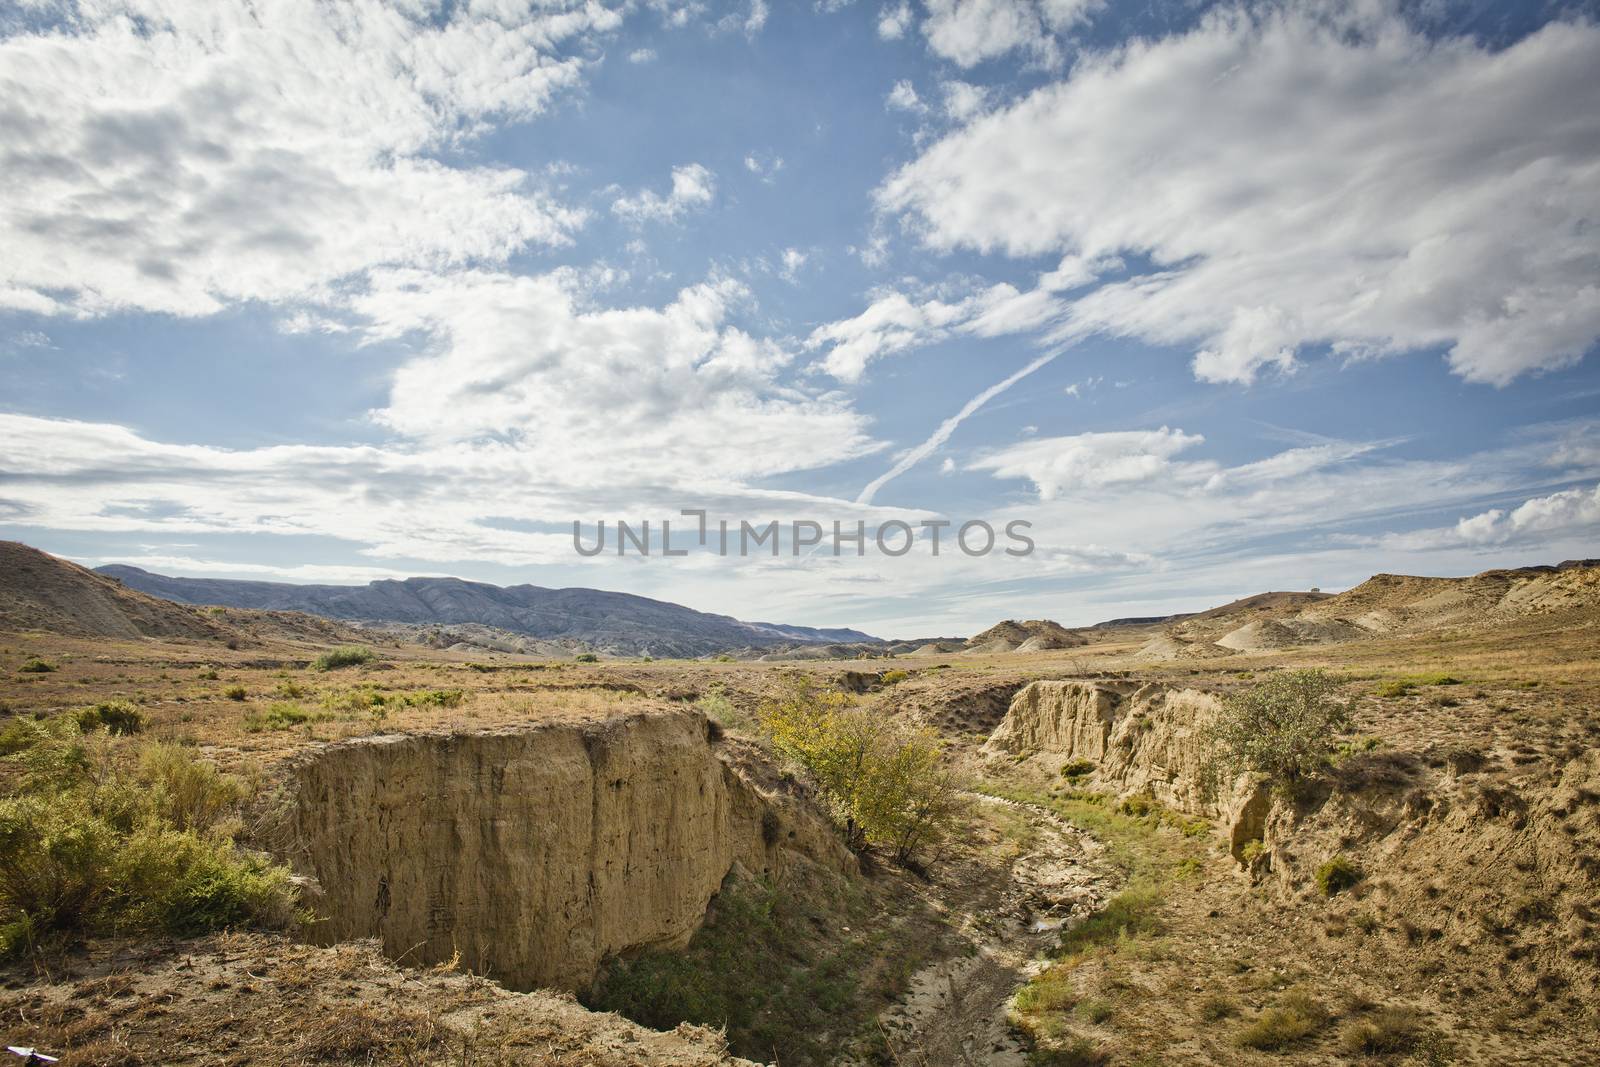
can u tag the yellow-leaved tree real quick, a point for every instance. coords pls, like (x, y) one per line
(884, 781)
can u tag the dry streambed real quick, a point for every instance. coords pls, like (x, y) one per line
(1009, 913)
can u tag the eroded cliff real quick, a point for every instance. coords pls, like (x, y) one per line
(534, 852)
(1142, 738)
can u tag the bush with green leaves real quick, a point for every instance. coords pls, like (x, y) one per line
(586, 657)
(883, 781)
(101, 836)
(1284, 726)
(343, 656)
(36, 666)
(116, 716)
(1337, 875)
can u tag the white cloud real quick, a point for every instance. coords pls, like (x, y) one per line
(963, 100)
(1300, 180)
(895, 322)
(793, 261)
(693, 186)
(1088, 460)
(894, 21)
(599, 395)
(903, 97)
(178, 157)
(764, 165)
(968, 32)
(1571, 512)
(642, 55)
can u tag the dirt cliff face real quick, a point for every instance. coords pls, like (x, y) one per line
(535, 852)
(1143, 738)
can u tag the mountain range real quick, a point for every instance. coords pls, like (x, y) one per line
(618, 623)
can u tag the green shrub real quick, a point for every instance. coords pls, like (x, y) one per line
(1216, 1008)
(1337, 875)
(116, 716)
(1078, 768)
(895, 677)
(586, 657)
(344, 656)
(97, 838)
(188, 793)
(36, 666)
(1293, 1019)
(1283, 726)
(291, 690)
(235, 692)
(208, 675)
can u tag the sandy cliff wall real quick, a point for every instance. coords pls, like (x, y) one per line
(535, 852)
(1143, 738)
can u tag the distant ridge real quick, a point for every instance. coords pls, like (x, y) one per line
(619, 623)
(39, 591)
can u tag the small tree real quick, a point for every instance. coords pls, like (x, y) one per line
(883, 781)
(1283, 726)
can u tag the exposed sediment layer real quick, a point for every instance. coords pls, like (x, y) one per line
(534, 852)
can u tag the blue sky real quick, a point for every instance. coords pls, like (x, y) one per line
(318, 292)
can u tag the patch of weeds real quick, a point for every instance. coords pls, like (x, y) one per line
(724, 712)
(433, 698)
(1078, 1052)
(1294, 1018)
(586, 657)
(280, 715)
(36, 666)
(1095, 1010)
(895, 677)
(235, 692)
(773, 965)
(288, 689)
(1337, 875)
(343, 656)
(1356, 746)
(1216, 1008)
(1385, 1032)
(208, 675)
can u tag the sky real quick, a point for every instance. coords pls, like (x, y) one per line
(1214, 298)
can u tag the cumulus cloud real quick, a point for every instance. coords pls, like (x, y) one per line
(1298, 179)
(963, 100)
(903, 97)
(693, 186)
(967, 32)
(894, 21)
(601, 395)
(176, 157)
(1570, 511)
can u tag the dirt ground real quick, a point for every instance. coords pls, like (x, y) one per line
(1478, 937)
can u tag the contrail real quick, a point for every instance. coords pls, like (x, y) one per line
(948, 427)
